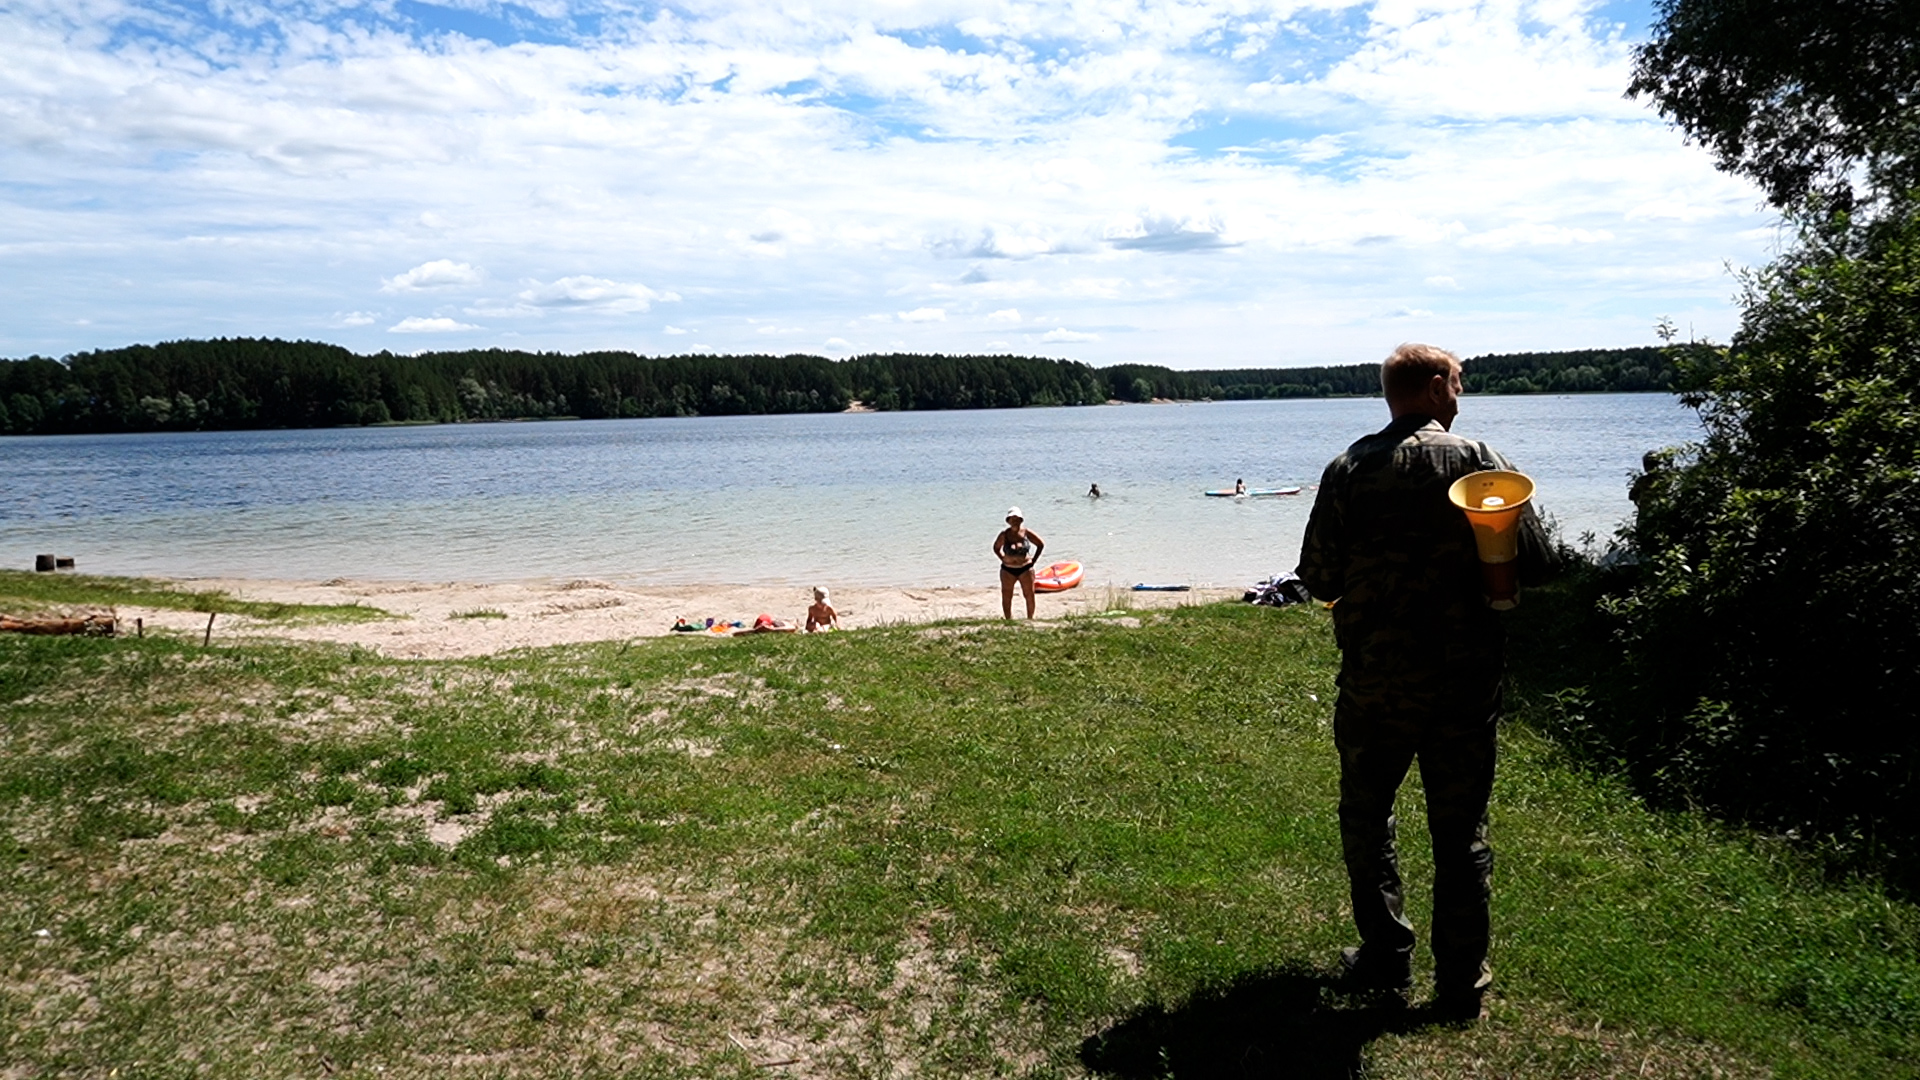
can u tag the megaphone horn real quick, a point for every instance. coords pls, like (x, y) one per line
(1492, 501)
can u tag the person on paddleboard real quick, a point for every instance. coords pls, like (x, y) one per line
(1018, 549)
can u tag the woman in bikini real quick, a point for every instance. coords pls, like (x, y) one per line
(1018, 550)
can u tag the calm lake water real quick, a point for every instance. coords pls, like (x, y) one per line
(872, 498)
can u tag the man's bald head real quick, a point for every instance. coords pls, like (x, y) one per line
(1411, 368)
(1422, 379)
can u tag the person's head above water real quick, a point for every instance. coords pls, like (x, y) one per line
(1423, 380)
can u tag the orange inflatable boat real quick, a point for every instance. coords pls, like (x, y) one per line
(1058, 578)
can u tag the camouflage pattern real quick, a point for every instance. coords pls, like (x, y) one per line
(1420, 673)
(1456, 754)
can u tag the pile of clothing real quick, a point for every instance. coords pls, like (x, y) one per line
(1279, 591)
(762, 624)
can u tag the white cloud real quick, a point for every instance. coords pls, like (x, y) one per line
(1485, 61)
(1063, 334)
(1442, 281)
(924, 315)
(438, 274)
(671, 329)
(1168, 233)
(584, 293)
(1001, 242)
(1006, 315)
(835, 344)
(819, 163)
(357, 318)
(415, 324)
(1534, 234)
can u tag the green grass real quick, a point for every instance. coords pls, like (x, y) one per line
(23, 592)
(969, 850)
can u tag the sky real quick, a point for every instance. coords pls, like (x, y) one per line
(1195, 183)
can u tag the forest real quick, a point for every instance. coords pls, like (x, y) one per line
(240, 383)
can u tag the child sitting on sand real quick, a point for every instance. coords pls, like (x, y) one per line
(821, 615)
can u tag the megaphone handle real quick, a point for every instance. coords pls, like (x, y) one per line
(1501, 581)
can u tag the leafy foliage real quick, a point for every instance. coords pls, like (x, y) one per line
(1795, 96)
(1773, 628)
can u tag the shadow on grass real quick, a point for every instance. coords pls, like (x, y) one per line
(1292, 1022)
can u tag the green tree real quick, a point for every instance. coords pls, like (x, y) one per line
(1796, 95)
(1773, 627)
(1770, 632)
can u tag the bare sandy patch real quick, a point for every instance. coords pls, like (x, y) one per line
(562, 612)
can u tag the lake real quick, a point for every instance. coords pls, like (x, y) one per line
(839, 499)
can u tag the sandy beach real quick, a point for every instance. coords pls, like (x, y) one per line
(446, 620)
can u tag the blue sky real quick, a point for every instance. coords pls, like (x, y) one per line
(1198, 184)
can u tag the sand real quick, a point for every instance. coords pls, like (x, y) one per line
(436, 620)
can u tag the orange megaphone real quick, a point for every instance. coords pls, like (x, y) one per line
(1493, 500)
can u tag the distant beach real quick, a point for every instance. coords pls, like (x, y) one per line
(457, 619)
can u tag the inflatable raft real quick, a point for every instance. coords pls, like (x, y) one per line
(1058, 577)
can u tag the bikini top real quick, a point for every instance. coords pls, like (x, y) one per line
(1016, 548)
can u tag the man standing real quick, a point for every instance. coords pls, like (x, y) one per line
(1420, 672)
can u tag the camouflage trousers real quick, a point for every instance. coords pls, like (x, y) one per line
(1379, 738)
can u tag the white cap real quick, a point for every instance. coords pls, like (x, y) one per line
(819, 592)
(1014, 511)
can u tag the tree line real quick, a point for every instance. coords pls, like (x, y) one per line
(238, 383)
(1576, 371)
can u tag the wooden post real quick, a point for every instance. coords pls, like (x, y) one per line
(208, 640)
(44, 563)
(139, 628)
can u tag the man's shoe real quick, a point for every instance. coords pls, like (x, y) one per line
(1359, 971)
(1459, 1004)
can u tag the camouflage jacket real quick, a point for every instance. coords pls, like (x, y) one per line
(1398, 557)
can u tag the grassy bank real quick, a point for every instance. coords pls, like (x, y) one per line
(1103, 846)
(24, 593)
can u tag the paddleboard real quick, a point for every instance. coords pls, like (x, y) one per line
(1058, 577)
(1252, 493)
(1144, 587)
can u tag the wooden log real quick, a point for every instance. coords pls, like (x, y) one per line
(63, 562)
(90, 625)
